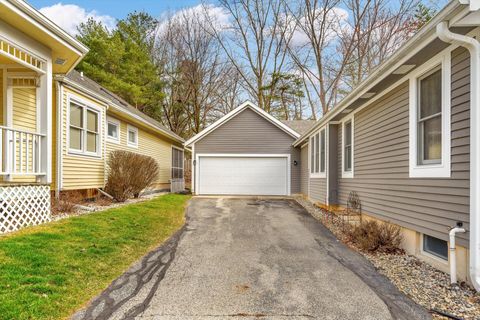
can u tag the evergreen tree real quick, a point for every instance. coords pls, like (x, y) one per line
(121, 60)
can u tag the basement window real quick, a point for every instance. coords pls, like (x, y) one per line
(435, 246)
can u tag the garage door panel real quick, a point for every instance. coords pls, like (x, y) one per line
(243, 175)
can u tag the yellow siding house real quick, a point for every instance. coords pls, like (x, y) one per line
(57, 127)
(94, 122)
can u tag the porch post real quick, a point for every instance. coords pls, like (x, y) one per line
(45, 122)
(7, 122)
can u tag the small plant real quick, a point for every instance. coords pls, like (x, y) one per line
(375, 237)
(129, 173)
(66, 202)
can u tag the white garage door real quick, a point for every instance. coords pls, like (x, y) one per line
(235, 175)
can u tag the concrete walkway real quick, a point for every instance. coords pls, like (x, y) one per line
(250, 259)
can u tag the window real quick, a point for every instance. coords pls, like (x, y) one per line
(317, 147)
(132, 136)
(435, 246)
(318, 154)
(322, 151)
(312, 154)
(83, 129)
(347, 149)
(177, 163)
(113, 130)
(430, 119)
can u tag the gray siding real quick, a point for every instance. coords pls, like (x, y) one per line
(381, 167)
(318, 190)
(248, 132)
(304, 170)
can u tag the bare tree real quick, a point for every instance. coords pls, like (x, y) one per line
(255, 43)
(341, 41)
(194, 69)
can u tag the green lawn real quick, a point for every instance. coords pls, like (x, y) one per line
(49, 271)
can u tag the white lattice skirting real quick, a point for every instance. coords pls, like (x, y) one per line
(22, 206)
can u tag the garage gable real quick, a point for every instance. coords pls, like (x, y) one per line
(239, 122)
(247, 132)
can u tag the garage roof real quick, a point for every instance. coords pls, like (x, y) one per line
(236, 111)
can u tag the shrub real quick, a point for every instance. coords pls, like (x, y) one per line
(129, 173)
(375, 237)
(66, 202)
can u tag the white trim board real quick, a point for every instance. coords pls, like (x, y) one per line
(235, 112)
(243, 155)
(443, 169)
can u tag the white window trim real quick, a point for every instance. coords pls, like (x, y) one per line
(348, 174)
(183, 162)
(318, 174)
(115, 122)
(443, 169)
(87, 106)
(135, 129)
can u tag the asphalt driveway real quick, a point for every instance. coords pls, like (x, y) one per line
(249, 259)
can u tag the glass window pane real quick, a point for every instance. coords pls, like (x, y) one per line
(432, 139)
(76, 115)
(348, 158)
(322, 151)
(91, 142)
(75, 138)
(435, 246)
(113, 130)
(348, 133)
(312, 155)
(431, 94)
(92, 124)
(317, 151)
(132, 136)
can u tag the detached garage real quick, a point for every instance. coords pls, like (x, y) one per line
(246, 152)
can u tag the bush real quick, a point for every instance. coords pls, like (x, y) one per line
(129, 173)
(375, 237)
(66, 202)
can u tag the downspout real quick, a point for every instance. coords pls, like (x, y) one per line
(59, 137)
(453, 252)
(473, 47)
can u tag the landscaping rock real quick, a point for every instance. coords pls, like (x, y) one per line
(424, 284)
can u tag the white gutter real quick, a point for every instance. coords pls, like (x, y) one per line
(473, 47)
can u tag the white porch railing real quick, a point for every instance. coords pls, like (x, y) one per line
(20, 152)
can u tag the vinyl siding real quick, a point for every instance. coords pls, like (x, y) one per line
(25, 118)
(79, 171)
(149, 144)
(248, 132)
(381, 163)
(318, 190)
(304, 170)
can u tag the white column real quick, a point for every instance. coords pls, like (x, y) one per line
(46, 123)
(8, 122)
